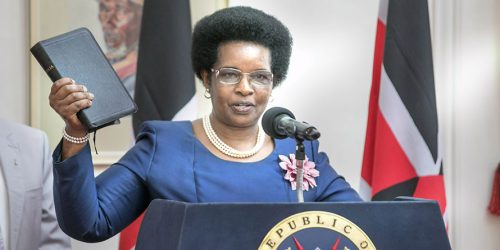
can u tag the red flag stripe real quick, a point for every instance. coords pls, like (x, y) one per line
(373, 109)
(432, 187)
(128, 236)
(389, 157)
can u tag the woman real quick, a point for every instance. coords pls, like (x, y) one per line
(240, 54)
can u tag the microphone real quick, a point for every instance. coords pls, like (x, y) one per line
(280, 123)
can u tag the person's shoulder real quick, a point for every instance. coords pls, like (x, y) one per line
(171, 127)
(167, 133)
(19, 129)
(166, 124)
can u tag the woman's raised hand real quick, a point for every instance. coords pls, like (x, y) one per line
(67, 98)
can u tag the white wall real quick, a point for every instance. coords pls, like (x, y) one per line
(333, 51)
(14, 60)
(467, 36)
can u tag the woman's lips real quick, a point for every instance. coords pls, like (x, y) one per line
(242, 107)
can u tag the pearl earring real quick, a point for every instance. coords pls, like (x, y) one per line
(207, 94)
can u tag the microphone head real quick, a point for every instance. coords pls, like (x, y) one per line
(269, 121)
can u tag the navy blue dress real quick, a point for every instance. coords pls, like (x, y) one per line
(168, 162)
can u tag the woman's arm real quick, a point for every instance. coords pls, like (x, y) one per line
(67, 98)
(94, 209)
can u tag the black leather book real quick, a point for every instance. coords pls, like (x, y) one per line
(77, 55)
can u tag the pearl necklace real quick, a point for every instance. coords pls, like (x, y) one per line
(226, 149)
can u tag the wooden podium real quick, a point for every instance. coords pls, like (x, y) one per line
(404, 224)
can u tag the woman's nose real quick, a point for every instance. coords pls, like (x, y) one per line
(244, 86)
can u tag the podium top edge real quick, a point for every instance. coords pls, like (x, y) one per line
(397, 201)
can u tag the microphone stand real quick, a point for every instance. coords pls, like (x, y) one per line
(300, 156)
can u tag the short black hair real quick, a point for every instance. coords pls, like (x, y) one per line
(241, 24)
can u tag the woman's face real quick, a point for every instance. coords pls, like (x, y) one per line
(240, 104)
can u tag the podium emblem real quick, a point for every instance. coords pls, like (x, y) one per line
(316, 230)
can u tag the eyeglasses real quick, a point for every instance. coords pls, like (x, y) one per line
(230, 76)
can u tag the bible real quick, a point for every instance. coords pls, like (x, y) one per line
(77, 55)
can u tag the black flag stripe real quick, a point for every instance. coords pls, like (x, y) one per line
(405, 188)
(165, 79)
(408, 63)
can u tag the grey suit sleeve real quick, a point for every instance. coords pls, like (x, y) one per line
(52, 237)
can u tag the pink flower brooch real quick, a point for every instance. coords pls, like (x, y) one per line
(289, 165)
